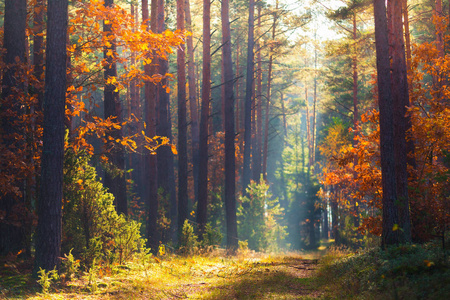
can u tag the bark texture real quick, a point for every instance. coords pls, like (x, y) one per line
(48, 239)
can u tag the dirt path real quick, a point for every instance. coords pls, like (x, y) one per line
(284, 278)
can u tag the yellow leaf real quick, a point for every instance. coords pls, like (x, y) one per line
(428, 263)
(395, 227)
(174, 149)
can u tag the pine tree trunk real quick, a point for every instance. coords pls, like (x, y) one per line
(151, 167)
(385, 102)
(193, 107)
(12, 238)
(355, 112)
(38, 47)
(238, 102)
(246, 172)
(256, 164)
(269, 82)
(230, 180)
(112, 108)
(182, 126)
(166, 177)
(202, 202)
(48, 239)
(400, 98)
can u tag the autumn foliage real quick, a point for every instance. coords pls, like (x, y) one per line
(352, 174)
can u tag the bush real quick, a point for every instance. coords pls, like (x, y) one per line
(259, 219)
(211, 238)
(188, 240)
(91, 225)
(407, 271)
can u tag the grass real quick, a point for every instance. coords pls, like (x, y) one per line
(399, 272)
(211, 276)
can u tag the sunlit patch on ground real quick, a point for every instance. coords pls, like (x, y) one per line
(245, 276)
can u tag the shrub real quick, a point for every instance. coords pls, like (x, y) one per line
(188, 240)
(70, 265)
(406, 271)
(91, 225)
(259, 219)
(211, 238)
(46, 278)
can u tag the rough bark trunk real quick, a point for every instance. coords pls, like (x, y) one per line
(400, 98)
(202, 202)
(48, 239)
(355, 112)
(248, 99)
(182, 126)
(11, 237)
(112, 108)
(390, 212)
(192, 98)
(256, 163)
(38, 47)
(230, 180)
(151, 167)
(166, 177)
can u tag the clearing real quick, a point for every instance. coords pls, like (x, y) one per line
(213, 276)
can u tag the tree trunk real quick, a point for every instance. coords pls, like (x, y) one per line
(256, 165)
(112, 108)
(182, 126)
(192, 99)
(38, 47)
(407, 34)
(238, 102)
(202, 202)
(400, 98)
(230, 182)
(151, 163)
(166, 177)
(48, 234)
(390, 212)
(12, 237)
(248, 99)
(355, 112)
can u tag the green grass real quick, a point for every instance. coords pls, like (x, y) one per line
(400, 272)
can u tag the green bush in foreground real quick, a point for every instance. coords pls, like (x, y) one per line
(400, 272)
(91, 225)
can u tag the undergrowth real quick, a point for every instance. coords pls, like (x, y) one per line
(399, 272)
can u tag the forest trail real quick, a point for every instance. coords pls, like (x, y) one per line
(245, 276)
(288, 277)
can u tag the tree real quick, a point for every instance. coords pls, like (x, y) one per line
(182, 126)
(202, 201)
(114, 179)
(230, 189)
(193, 107)
(400, 98)
(390, 212)
(48, 239)
(256, 150)
(151, 165)
(248, 98)
(166, 176)
(12, 237)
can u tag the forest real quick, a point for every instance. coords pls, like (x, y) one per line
(260, 149)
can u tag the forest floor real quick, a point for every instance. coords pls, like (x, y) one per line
(210, 276)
